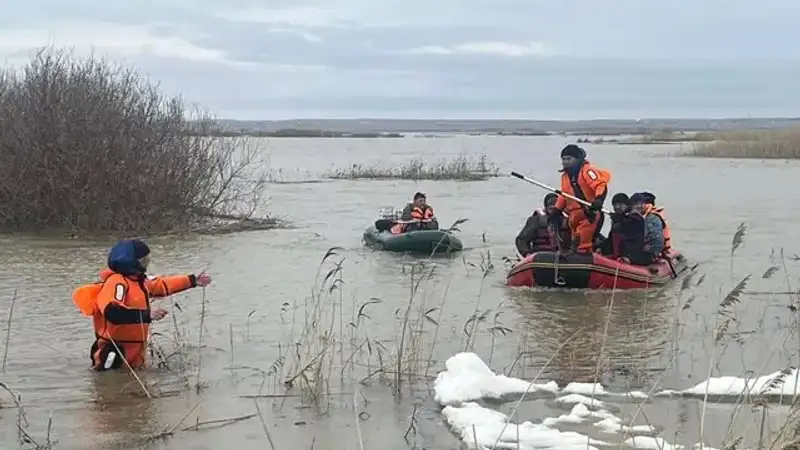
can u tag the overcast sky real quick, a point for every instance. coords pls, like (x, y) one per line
(445, 58)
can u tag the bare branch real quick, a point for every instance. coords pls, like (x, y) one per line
(88, 145)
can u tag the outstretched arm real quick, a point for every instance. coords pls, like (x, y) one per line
(168, 285)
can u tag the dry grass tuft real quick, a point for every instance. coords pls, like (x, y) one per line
(757, 144)
(461, 168)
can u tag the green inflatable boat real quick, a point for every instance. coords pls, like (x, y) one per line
(417, 241)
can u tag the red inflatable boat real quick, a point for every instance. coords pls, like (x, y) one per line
(592, 271)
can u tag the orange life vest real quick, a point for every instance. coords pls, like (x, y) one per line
(421, 213)
(659, 212)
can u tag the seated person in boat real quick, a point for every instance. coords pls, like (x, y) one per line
(643, 234)
(417, 215)
(612, 244)
(538, 233)
(651, 208)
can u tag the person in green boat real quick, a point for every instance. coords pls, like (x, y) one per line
(419, 214)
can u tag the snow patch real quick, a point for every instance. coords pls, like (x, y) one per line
(480, 427)
(467, 378)
(571, 399)
(785, 383)
(590, 389)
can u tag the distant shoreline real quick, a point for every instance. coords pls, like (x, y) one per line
(399, 128)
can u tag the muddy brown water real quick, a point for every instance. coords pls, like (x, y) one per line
(263, 284)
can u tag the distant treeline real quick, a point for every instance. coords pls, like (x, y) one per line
(300, 133)
(599, 127)
(659, 133)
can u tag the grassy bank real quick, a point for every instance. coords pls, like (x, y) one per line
(461, 168)
(759, 144)
(661, 137)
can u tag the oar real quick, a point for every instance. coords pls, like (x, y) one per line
(670, 264)
(555, 191)
(557, 280)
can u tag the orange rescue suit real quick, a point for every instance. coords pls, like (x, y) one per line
(589, 184)
(120, 308)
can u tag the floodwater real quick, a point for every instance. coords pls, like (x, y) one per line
(268, 320)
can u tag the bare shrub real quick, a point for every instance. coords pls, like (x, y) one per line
(92, 146)
(760, 144)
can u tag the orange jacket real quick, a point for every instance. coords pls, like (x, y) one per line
(120, 305)
(591, 183)
(659, 212)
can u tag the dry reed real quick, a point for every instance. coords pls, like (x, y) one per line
(461, 168)
(757, 144)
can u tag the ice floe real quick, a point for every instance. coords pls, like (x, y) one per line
(467, 380)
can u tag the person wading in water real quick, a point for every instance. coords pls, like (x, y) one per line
(120, 305)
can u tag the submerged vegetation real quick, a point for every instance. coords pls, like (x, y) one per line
(460, 168)
(757, 144)
(88, 146)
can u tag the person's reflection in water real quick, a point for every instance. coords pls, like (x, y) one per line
(569, 327)
(121, 415)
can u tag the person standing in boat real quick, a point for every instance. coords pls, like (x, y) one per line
(579, 178)
(538, 234)
(643, 234)
(420, 214)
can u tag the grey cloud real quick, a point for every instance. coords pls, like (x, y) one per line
(624, 56)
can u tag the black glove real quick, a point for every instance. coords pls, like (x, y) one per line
(617, 217)
(597, 205)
